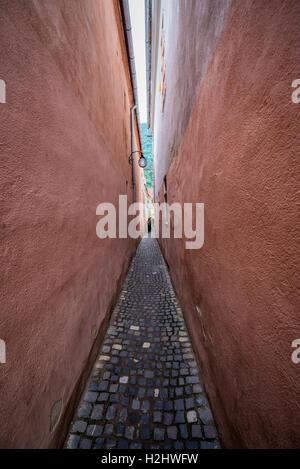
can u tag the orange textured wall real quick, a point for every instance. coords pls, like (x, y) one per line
(240, 156)
(65, 143)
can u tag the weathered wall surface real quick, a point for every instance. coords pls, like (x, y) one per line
(240, 156)
(64, 143)
(187, 35)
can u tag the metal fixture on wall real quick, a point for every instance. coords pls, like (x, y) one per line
(142, 161)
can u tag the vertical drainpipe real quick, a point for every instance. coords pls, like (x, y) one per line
(135, 109)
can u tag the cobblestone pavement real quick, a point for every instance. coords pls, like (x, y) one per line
(145, 390)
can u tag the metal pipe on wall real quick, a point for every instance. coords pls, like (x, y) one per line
(124, 6)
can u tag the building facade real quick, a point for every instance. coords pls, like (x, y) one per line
(65, 147)
(226, 134)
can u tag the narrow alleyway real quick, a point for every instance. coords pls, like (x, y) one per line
(145, 390)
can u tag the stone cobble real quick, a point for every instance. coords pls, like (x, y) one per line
(145, 390)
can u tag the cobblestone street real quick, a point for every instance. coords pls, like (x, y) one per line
(145, 390)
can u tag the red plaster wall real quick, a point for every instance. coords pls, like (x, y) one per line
(191, 29)
(64, 145)
(240, 156)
